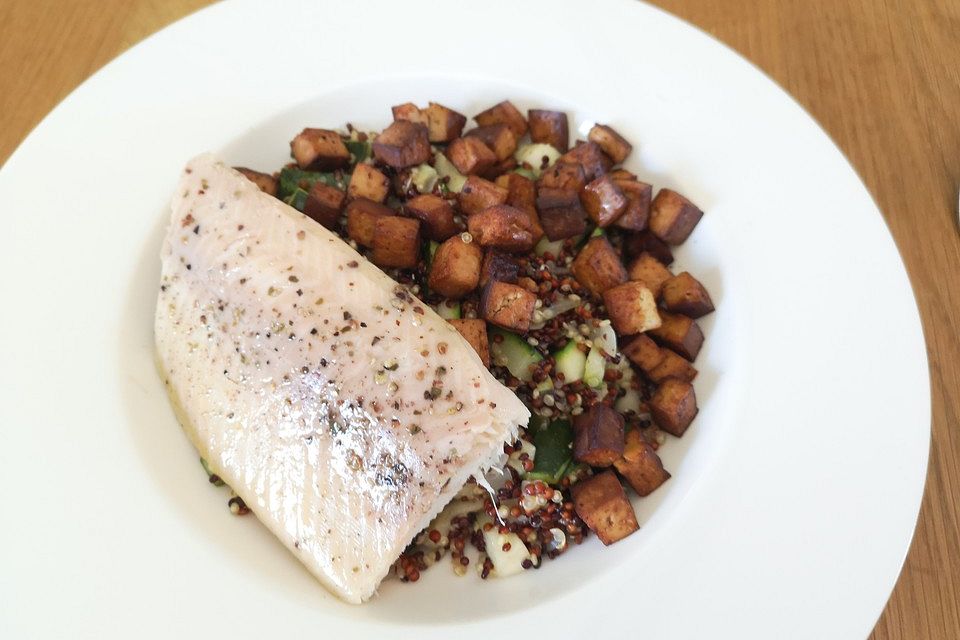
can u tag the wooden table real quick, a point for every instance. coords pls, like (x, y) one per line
(883, 78)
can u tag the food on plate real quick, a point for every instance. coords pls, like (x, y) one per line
(287, 355)
(526, 309)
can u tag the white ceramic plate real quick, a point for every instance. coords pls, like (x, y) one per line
(794, 495)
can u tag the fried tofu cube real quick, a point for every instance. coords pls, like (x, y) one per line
(603, 200)
(499, 137)
(503, 113)
(672, 366)
(680, 333)
(549, 127)
(362, 217)
(684, 294)
(455, 270)
(622, 175)
(598, 267)
(612, 143)
(478, 194)
(589, 154)
(319, 149)
(264, 181)
(402, 144)
(673, 217)
(637, 214)
(324, 204)
(410, 112)
(498, 267)
(632, 308)
(474, 331)
(640, 465)
(521, 191)
(650, 271)
(435, 213)
(644, 241)
(602, 504)
(502, 227)
(507, 305)
(674, 406)
(470, 155)
(563, 175)
(368, 182)
(443, 123)
(561, 214)
(643, 352)
(396, 242)
(500, 168)
(598, 436)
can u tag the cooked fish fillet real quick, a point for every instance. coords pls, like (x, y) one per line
(343, 411)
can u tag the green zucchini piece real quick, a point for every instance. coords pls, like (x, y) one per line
(449, 310)
(359, 151)
(297, 199)
(292, 178)
(514, 353)
(533, 155)
(445, 169)
(424, 178)
(593, 368)
(554, 452)
(570, 362)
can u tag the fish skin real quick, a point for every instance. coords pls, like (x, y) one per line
(291, 400)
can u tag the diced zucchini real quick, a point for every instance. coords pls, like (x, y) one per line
(526, 173)
(449, 310)
(570, 362)
(432, 250)
(533, 155)
(505, 562)
(359, 151)
(553, 452)
(630, 401)
(514, 353)
(594, 368)
(597, 232)
(445, 169)
(513, 460)
(606, 339)
(424, 178)
(545, 246)
(297, 199)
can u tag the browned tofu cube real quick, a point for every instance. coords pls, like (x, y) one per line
(637, 243)
(470, 156)
(643, 352)
(680, 333)
(478, 194)
(362, 217)
(266, 182)
(595, 162)
(672, 366)
(498, 267)
(563, 175)
(319, 149)
(474, 331)
(502, 227)
(443, 123)
(612, 143)
(684, 294)
(560, 213)
(632, 308)
(435, 213)
(650, 271)
(455, 270)
(324, 204)
(674, 406)
(368, 182)
(500, 168)
(507, 305)
(640, 465)
(622, 175)
(673, 217)
(396, 242)
(503, 113)
(521, 191)
(549, 127)
(499, 137)
(409, 111)
(598, 267)
(603, 200)
(637, 214)
(602, 504)
(598, 436)
(402, 144)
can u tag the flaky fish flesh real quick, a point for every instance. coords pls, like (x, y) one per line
(340, 408)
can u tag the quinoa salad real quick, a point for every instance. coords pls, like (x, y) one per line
(554, 263)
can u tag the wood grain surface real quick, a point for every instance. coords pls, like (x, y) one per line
(881, 76)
